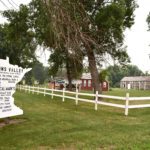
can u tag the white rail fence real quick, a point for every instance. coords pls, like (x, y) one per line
(98, 98)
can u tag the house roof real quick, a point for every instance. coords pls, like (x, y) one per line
(137, 78)
(86, 76)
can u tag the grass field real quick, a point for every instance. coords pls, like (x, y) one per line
(52, 124)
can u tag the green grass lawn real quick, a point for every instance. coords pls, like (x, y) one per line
(133, 93)
(52, 124)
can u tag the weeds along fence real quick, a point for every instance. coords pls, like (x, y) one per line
(96, 99)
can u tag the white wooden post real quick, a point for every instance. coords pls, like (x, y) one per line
(76, 96)
(76, 86)
(52, 93)
(44, 91)
(96, 100)
(20, 87)
(63, 98)
(127, 104)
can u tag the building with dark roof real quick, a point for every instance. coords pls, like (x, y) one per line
(137, 82)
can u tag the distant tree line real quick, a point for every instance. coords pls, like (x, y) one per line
(39, 74)
(116, 73)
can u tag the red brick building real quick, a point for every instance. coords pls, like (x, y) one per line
(86, 83)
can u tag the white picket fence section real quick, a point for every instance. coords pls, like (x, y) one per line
(97, 97)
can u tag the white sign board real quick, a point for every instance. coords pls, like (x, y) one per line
(10, 75)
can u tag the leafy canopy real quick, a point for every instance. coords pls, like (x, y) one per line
(17, 38)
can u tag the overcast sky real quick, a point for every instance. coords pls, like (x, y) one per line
(137, 38)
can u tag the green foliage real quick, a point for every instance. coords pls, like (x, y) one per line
(56, 61)
(40, 20)
(112, 19)
(103, 75)
(44, 33)
(17, 39)
(38, 73)
(84, 27)
(116, 73)
(60, 59)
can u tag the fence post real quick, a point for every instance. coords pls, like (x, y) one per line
(63, 98)
(20, 87)
(127, 104)
(96, 100)
(76, 96)
(52, 93)
(44, 91)
(76, 86)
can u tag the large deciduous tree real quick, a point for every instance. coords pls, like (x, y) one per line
(92, 27)
(80, 27)
(60, 55)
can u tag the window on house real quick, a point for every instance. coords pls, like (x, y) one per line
(89, 83)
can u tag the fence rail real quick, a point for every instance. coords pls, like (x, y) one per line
(98, 98)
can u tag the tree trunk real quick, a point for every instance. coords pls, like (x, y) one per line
(94, 71)
(69, 76)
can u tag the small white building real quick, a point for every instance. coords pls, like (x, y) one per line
(137, 82)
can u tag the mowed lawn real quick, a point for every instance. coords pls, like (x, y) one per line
(52, 124)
